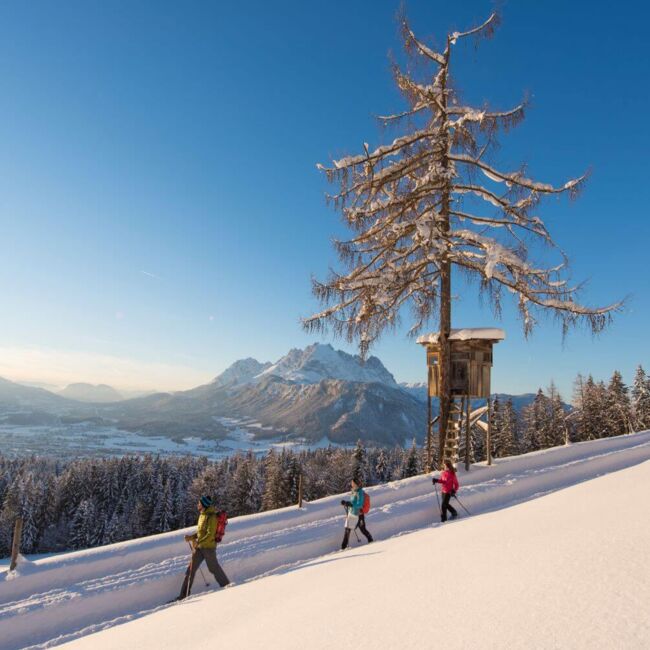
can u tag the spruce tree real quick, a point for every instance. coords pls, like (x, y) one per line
(381, 468)
(275, 487)
(556, 428)
(618, 411)
(411, 464)
(641, 400)
(510, 430)
(360, 463)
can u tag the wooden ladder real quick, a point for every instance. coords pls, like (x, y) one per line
(454, 431)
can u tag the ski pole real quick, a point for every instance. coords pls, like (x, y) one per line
(347, 511)
(462, 506)
(355, 532)
(189, 575)
(435, 486)
(200, 569)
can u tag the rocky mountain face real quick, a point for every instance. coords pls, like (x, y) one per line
(312, 393)
(318, 362)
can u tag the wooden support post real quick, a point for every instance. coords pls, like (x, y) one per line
(488, 435)
(15, 546)
(468, 432)
(429, 424)
(300, 490)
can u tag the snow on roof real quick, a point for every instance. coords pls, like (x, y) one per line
(466, 334)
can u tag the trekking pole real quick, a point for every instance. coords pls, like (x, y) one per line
(435, 486)
(347, 511)
(207, 584)
(462, 506)
(355, 532)
(189, 575)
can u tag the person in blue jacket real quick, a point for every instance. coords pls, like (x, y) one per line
(355, 518)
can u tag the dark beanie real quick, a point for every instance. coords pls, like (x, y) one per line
(206, 502)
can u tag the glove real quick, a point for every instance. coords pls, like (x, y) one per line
(453, 493)
(344, 503)
(189, 538)
(435, 480)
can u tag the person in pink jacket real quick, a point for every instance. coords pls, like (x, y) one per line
(449, 482)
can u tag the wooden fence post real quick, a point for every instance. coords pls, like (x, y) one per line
(300, 490)
(488, 434)
(15, 546)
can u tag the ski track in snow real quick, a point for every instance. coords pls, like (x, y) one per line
(63, 597)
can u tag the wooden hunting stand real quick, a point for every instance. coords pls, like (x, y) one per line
(471, 365)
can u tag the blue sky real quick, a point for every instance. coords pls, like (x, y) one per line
(160, 209)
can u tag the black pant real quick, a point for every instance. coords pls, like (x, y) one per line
(210, 557)
(361, 525)
(445, 506)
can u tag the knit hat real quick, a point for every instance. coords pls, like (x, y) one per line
(206, 501)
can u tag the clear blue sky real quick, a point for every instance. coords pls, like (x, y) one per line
(160, 208)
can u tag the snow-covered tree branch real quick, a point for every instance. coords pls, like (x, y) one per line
(431, 200)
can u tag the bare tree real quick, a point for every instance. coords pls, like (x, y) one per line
(422, 205)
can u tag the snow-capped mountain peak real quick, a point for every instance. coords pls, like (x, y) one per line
(321, 361)
(241, 372)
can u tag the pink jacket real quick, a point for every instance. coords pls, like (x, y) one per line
(449, 482)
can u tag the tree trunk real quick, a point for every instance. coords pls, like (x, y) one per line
(445, 293)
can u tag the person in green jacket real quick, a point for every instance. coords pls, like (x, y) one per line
(204, 547)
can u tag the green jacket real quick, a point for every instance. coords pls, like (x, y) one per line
(207, 527)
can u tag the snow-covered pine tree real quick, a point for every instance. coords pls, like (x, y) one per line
(618, 411)
(246, 495)
(275, 486)
(589, 418)
(510, 429)
(382, 471)
(641, 400)
(163, 512)
(82, 529)
(360, 463)
(411, 464)
(292, 473)
(496, 427)
(535, 423)
(418, 209)
(556, 428)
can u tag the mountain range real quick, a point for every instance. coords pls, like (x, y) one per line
(312, 393)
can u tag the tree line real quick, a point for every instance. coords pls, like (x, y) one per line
(86, 502)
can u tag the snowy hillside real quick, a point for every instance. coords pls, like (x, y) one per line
(522, 558)
(241, 372)
(550, 573)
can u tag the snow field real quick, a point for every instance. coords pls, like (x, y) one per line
(554, 572)
(61, 596)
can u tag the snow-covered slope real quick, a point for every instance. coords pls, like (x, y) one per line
(318, 362)
(71, 595)
(550, 573)
(241, 372)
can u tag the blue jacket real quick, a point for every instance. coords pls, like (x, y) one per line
(357, 501)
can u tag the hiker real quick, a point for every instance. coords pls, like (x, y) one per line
(204, 547)
(449, 483)
(357, 509)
